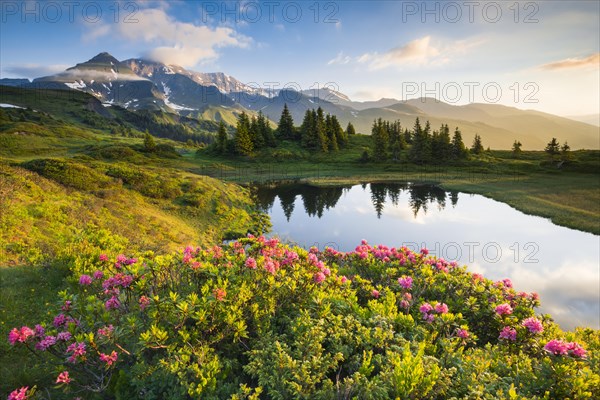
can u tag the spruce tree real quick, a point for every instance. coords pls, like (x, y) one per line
(308, 130)
(340, 134)
(222, 138)
(397, 143)
(552, 148)
(285, 129)
(516, 148)
(420, 151)
(243, 138)
(477, 147)
(149, 143)
(331, 134)
(321, 130)
(459, 151)
(380, 138)
(350, 129)
(565, 152)
(265, 131)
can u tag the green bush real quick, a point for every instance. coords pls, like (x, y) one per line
(69, 173)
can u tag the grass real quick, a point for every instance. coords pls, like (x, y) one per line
(26, 295)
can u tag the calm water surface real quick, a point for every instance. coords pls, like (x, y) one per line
(492, 238)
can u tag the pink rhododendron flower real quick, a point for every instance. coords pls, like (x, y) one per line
(504, 309)
(19, 394)
(112, 303)
(556, 347)
(109, 359)
(462, 333)
(343, 279)
(63, 336)
(39, 331)
(103, 257)
(220, 294)
(319, 277)
(20, 335)
(63, 377)
(45, 343)
(76, 350)
(533, 324)
(250, 263)
(441, 308)
(404, 304)
(424, 251)
(144, 301)
(508, 333)
(66, 306)
(576, 350)
(59, 320)
(507, 283)
(85, 280)
(121, 258)
(269, 266)
(98, 275)
(477, 278)
(425, 308)
(375, 293)
(405, 282)
(106, 331)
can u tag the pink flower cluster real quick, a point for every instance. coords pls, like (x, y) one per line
(77, 349)
(19, 394)
(533, 324)
(375, 293)
(144, 302)
(85, 280)
(220, 294)
(405, 282)
(20, 335)
(508, 333)
(504, 309)
(45, 343)
(63, 377)
(560, 348)
(250, 263)
(106, 331)
(109, 359)
(462, 333)
(112, 304)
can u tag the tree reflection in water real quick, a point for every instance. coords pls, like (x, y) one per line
(318, 199)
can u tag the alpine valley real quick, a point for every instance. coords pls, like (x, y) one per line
(137, 84)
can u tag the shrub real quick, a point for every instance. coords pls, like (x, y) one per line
(258, 319)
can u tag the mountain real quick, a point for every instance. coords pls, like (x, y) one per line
(138, 84)
(592, 119)
(14, 82)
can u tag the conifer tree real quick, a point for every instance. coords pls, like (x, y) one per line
(459, 151)
(477, 147)
(350, 129)
(243, 139)
(285, 129)
(380, 139)
(222, 138)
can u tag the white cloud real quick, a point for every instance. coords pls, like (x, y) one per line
(340, 59)
(35, 70)
(175, 42)
(419, 52)
(592, 62)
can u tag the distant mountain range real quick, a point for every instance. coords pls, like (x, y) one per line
(138, 84)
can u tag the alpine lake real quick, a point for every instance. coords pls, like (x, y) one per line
(490, 237)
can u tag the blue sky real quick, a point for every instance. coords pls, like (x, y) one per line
(541, 55)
